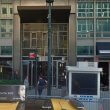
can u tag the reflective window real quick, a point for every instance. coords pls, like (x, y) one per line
(85, 28)
(34, 41)
(85, 50)
(38, 39)
(11, 11)
(6, 1)
(26, 40)
(103, 9)
(6, 50)
(6, 28)
(85, 9)
(4, 11)
(103, 28)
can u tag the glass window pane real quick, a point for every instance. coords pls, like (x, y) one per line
(6, 50)
(84, 9)
(11, 11)
(6, 27)
(34, 43)
(33, 35)
(103, 27)
(85, 27)
(26, 40)
(4, 11)
(39, 39)
(3, 22)
(3, 29)
(8, 35)
(91, 50)
(89, 5)
(83, 50)
(9, 22)
(99, 5)
(104, 5)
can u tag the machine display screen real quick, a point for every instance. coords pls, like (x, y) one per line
(84, 84)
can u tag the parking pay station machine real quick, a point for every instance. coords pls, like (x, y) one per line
(84, 81)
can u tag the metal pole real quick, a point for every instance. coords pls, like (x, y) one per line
(49, 50)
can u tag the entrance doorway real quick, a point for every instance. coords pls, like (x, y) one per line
(42, 69)
(29, 69)
(61, 74)
(33, 70)
(105, 75)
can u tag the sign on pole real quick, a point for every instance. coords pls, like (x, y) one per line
(32, 55)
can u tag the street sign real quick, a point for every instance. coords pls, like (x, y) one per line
(32, 55)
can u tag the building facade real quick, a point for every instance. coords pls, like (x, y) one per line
(80, 32)
(6, 36)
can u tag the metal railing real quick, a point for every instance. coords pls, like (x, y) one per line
(98, 104)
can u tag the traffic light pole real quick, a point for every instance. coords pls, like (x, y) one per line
(49, 50)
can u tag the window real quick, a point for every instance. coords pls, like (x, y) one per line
(103, 9)
(6, 50)
(91, 50)
(6, 28)
(6, 1)
(26, 40)
(85, 9)
(85, 28)
(85, 50)
(4, 10)
(62, 39)
(11, 11)
(84, 25)
(103, 28)
(34, 41)
(38, 39)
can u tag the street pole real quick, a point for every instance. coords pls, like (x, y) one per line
(49, 47)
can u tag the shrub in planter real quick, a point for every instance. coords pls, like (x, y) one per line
(10, 82)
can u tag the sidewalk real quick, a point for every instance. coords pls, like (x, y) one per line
(55, 92)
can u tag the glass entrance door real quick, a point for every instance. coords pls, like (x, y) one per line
(29, 69)
(61, 74)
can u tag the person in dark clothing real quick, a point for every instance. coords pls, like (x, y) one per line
(41, 85)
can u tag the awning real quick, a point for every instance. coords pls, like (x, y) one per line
(32, 14)
(103, 48)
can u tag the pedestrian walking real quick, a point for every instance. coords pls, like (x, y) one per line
(26, 83)
(41, 84)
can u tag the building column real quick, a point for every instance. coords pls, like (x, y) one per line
(16, 43)
(72, 40)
